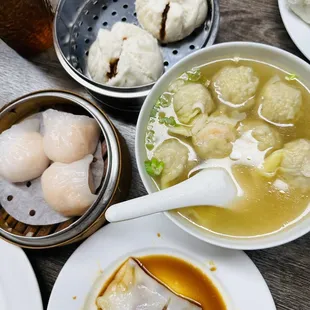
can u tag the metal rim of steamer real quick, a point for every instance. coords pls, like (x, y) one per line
(74, 32)
(107, 190)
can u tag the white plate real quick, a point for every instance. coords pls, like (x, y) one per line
(298, 30)
(18, 285)
(236, 273)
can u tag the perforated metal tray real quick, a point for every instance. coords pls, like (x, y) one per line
(76, 26)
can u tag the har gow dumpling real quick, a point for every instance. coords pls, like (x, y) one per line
(68, 188)
(132, 288)
(190, 100)
(174, 155)
(235, 87)
(22, 156)
(69, 137)
(267, 136)
(280, 102)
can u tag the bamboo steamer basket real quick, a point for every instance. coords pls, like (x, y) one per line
(114, 188)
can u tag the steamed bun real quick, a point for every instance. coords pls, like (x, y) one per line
(280, 102)
(174, 155)
(190, 100)
(267, 136)
(126, 56)
(235, 87)
(69, 137)
(22, 156)
(67, 188)
(171, 20)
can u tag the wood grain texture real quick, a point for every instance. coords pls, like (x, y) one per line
(287, 268)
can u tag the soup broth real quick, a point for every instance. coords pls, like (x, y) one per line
(268, 201)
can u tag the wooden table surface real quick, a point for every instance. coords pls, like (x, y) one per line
(286, 268)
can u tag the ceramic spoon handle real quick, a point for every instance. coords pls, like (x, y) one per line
(205, 188)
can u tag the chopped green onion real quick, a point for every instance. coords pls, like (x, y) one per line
(154, 111)
(165, 100)
(193, 75)
(291, 77)
(168, 121)
(154, 167)
(149, 146)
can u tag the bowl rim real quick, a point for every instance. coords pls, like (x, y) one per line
(287, 235)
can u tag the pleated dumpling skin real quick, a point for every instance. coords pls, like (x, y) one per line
(235, 87)
(190, 100)
(295, 166)
(213, 137)
(268, 137)
(174, 155)
(69, 137)
(22, 156)
(291, 164)
(280, 102)
(67, 188)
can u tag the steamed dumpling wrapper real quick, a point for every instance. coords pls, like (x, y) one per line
(174, 155)
(212, 137)
(190, 100)
(22, 156)
(68, 188)
(69, 137)
(133, 288)
(280, 102)
(291, 164)
(235, 87)
(268, 137)
(301, 8)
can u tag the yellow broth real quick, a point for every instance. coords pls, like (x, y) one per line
(262, 209)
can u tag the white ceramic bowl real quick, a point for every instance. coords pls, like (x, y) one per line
(248, 50)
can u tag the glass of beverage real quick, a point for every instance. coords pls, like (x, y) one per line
(26, 25)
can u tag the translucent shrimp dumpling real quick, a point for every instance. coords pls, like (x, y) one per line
(191, 100)
(235, 87)
(292, 163)
(267, 136)
(69, 137)
(280, 102)
(174, 155)
(22, 156)
(68, 188)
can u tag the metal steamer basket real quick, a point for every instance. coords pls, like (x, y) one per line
(113, 187)
(76, 25)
